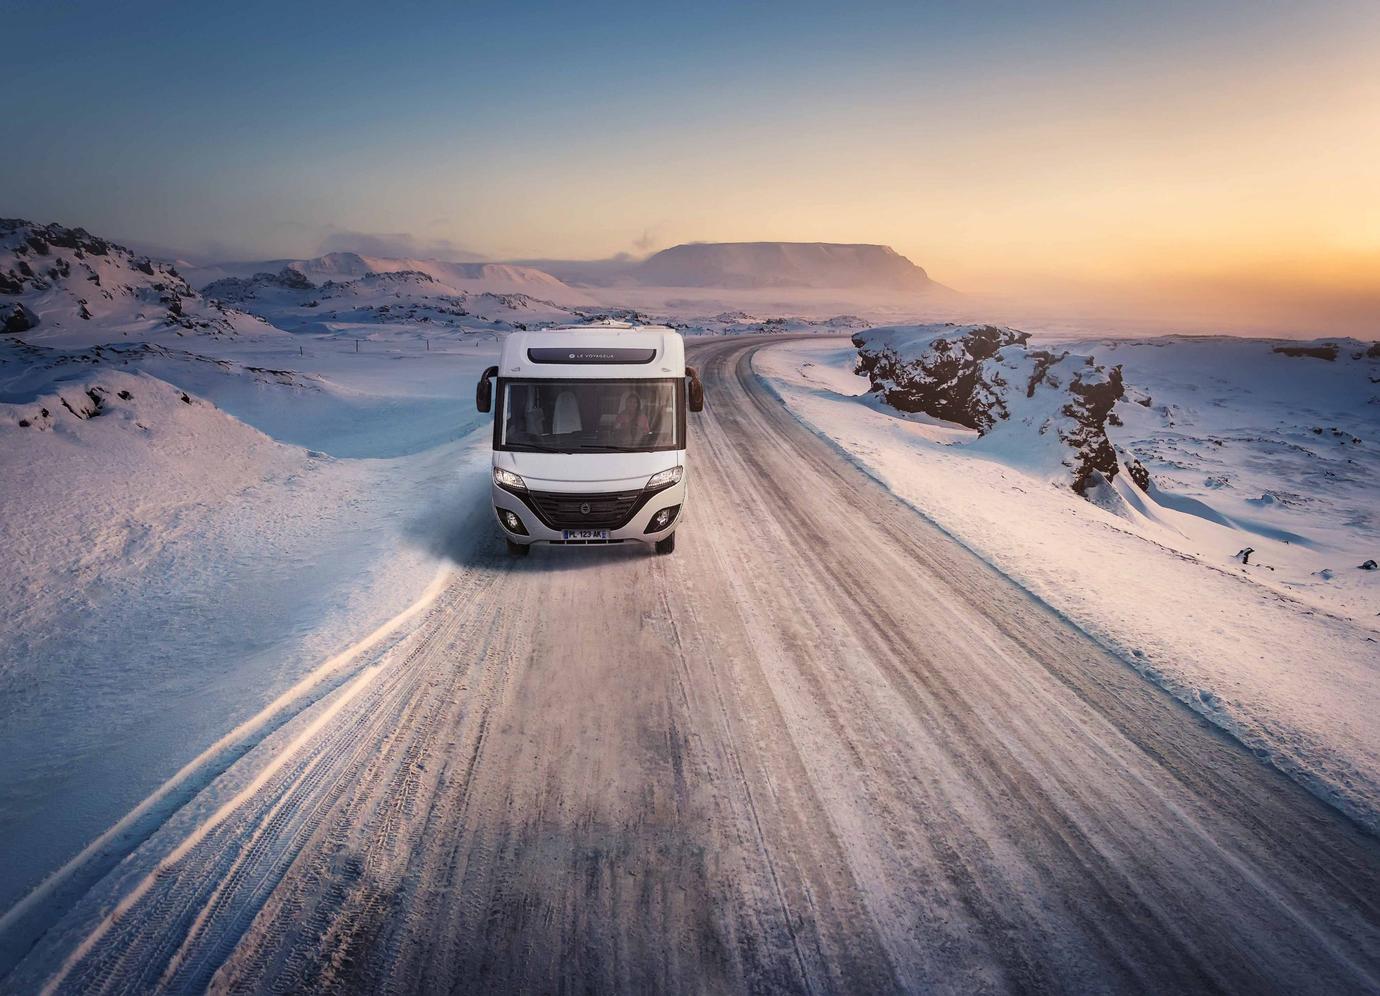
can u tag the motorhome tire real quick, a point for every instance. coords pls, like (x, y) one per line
(668, 545)
(518, 549)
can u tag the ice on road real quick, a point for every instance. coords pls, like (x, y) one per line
(822, 747)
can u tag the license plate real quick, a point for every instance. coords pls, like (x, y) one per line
(584, 534)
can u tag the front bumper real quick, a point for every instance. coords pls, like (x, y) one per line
(544, 514)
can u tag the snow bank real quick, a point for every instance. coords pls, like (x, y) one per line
(1249, 443)
(1283, 665)
(196, 511)
(169, 570)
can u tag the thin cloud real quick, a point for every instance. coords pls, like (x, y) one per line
(653, 237)
(397, 245)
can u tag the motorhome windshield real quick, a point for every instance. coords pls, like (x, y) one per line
(597, 416)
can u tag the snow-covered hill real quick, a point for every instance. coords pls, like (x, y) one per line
(381, 302)
(171, 568)
(196, 509)
(448, 277)
(782, 264)
(66, 287)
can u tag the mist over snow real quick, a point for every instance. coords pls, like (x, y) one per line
(975, 590)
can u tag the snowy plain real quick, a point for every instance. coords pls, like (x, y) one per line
(1288, 666)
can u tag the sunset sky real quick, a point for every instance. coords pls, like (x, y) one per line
(1220, 152)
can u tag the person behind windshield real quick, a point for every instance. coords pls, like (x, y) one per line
(631, 423)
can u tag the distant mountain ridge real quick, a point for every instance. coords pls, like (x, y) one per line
(751, 266)
(711, 265)
(501, 278)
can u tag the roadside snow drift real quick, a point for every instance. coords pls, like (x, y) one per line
(168, 570)
(1243, 448)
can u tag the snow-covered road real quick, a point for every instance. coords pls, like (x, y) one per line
(822, 747)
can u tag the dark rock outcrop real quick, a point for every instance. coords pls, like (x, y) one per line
(1089, 409)
(62, 265)
(1137, 472)
(945, 379)
(17, 318)
(1019, 399)
(1326, 351)
(235, 289)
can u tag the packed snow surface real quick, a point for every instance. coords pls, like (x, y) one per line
(1246, 448)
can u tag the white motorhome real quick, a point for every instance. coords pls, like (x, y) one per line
(589, 435)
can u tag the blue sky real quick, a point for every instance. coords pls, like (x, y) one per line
(978, 138)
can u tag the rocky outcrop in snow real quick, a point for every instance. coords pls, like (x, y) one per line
(16, 318)
(65, 283)
(1036, 406)
(242, 288)
(938, 370)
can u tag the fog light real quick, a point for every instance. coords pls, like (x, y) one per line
(511, 522)
(662, 519)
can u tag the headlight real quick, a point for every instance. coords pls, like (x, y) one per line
(507, 479)
(666, 478)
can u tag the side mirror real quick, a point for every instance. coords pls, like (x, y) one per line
(484, 393)
(694, 390)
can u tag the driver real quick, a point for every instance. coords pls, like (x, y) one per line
(632, 422)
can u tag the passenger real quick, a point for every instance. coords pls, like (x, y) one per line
(631, 423)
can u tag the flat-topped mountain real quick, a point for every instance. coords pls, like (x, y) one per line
(782, 264)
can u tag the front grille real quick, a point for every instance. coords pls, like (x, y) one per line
(566, 511)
